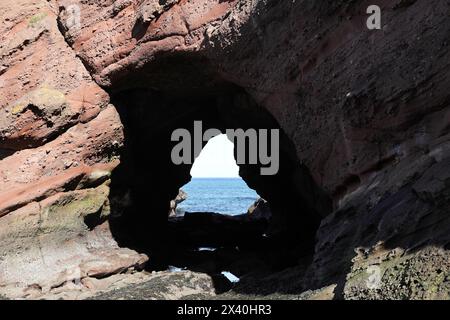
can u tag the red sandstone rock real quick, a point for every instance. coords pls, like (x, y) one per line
(58, 134)
(367, 114)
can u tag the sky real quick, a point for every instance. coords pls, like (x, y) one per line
(216, 160)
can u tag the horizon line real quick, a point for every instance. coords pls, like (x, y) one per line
(238, 177)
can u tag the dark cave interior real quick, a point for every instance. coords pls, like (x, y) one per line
(145, 182)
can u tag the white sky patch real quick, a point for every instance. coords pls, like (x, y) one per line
(216, 160)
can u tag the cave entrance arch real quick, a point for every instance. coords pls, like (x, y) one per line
(142, 187)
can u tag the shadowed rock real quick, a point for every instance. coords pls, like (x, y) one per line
(87, 111)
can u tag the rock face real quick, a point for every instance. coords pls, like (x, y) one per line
(174, 203)
(182, 285)
(59, 141)
(364, 150)
(260, 210)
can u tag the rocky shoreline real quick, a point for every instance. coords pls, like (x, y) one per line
(90, 94)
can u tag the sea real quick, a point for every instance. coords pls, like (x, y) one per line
(221, 195)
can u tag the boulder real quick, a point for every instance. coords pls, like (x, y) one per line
(174, 203)
(260, 209)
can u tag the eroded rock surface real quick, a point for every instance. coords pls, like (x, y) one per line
(59, 141)
(364, 115)
(181, 196)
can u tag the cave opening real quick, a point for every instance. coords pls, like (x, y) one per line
(215, 185)
(146, 181)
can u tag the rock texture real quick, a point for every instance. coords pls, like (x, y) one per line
(59, 141)
(181, 196)
(260, 209)
(180, 285)
(364, 115)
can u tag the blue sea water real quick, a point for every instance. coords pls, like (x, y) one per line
(222, 195)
